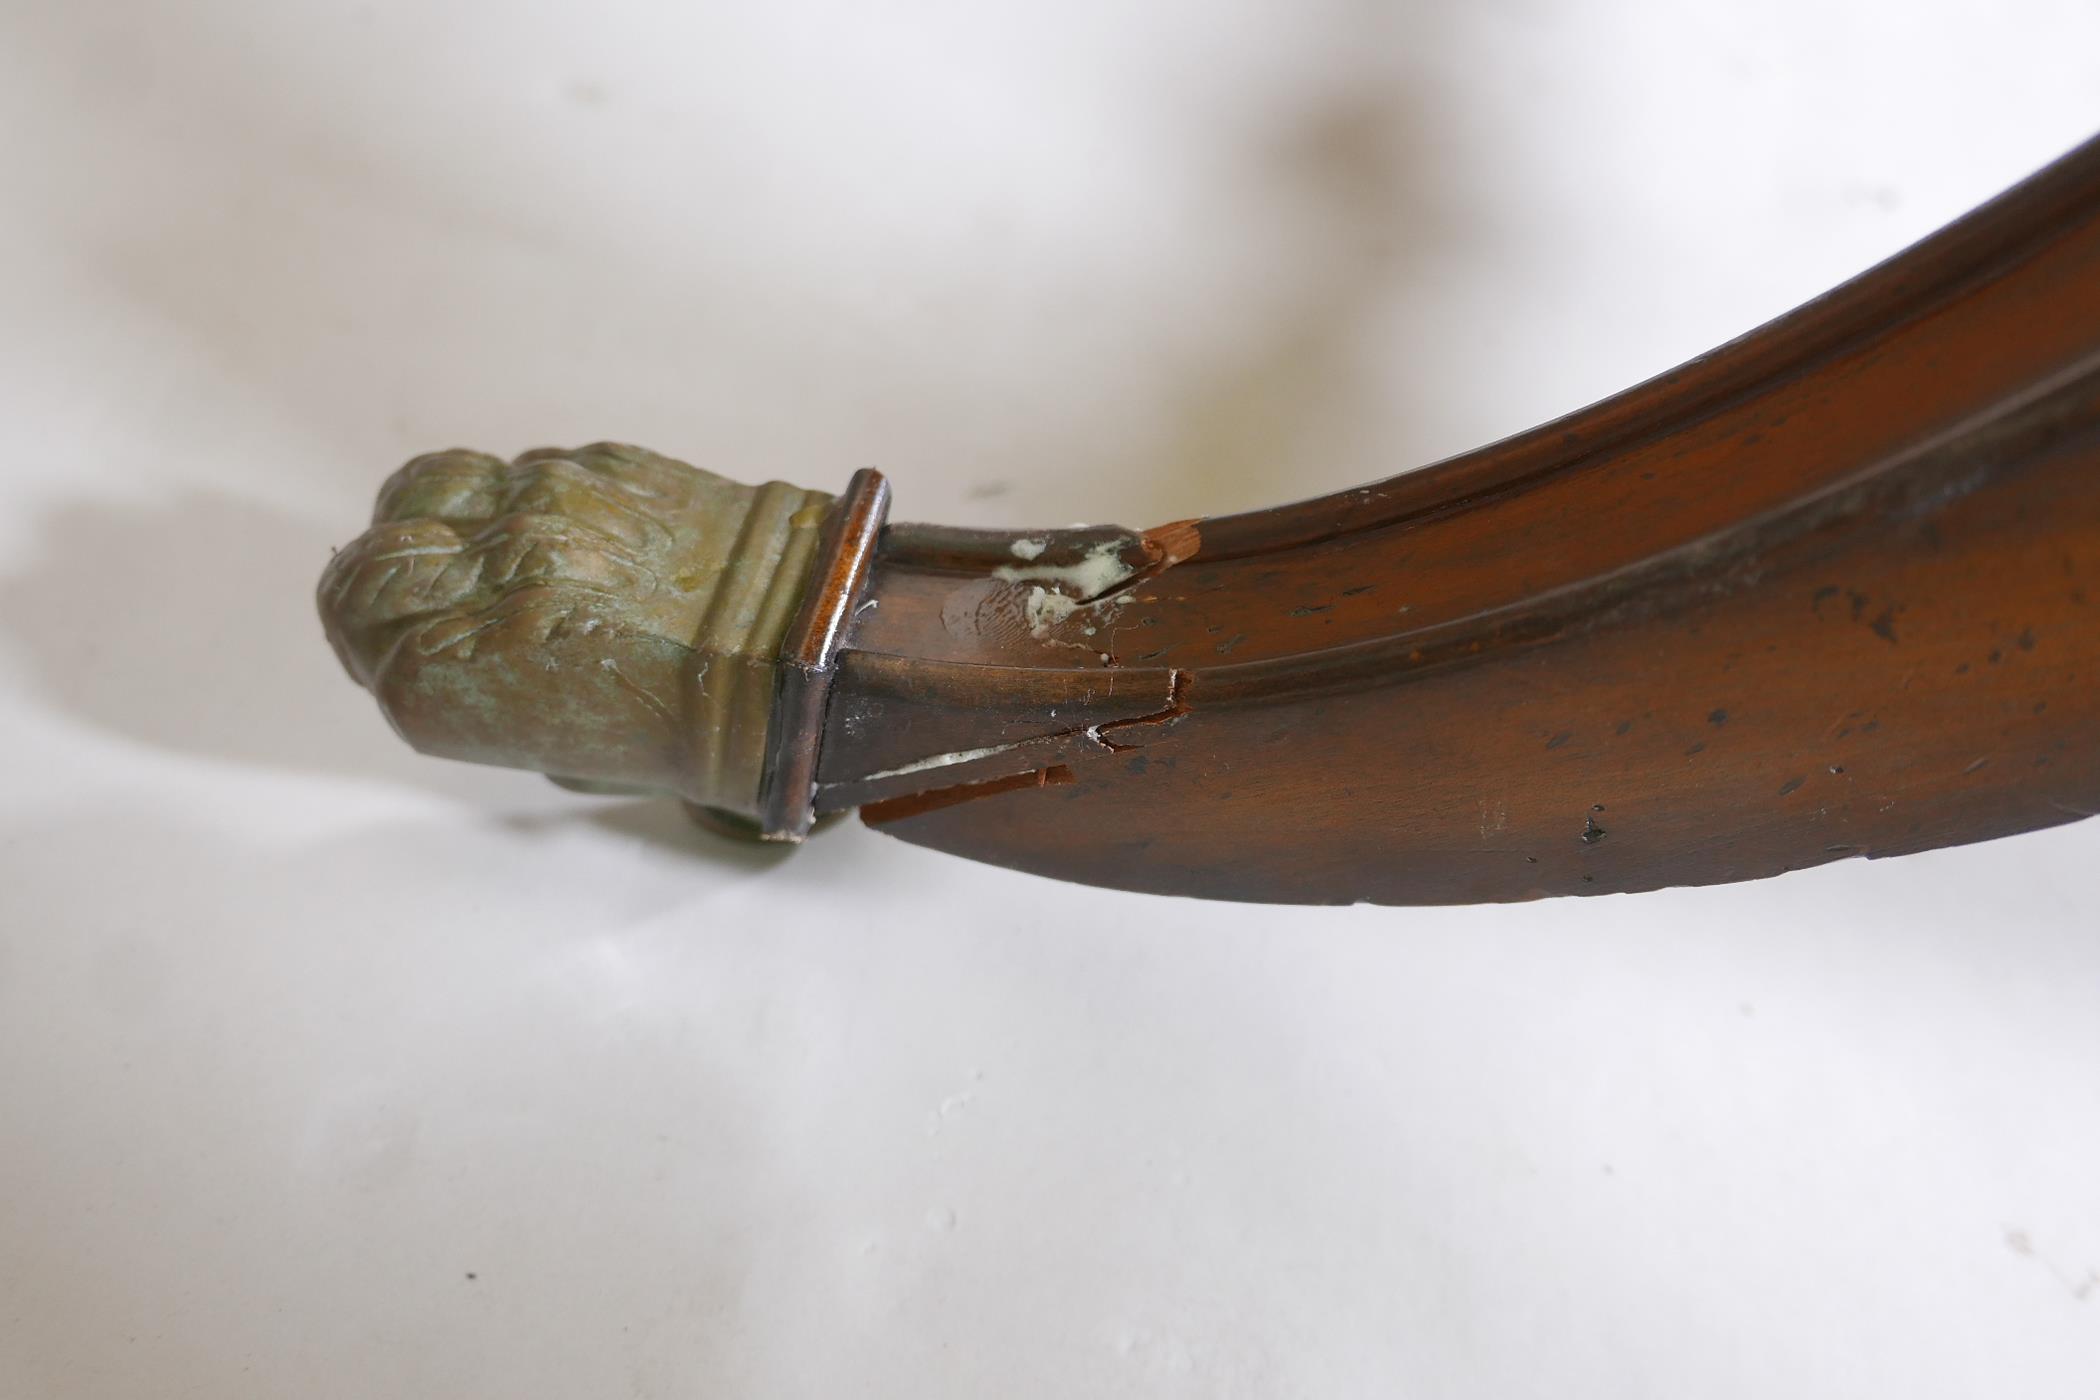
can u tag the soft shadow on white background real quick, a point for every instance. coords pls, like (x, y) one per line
(328, 1070)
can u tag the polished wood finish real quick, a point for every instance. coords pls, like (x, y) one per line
(1825, 592)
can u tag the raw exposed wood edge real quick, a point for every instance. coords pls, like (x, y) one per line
(898, 808)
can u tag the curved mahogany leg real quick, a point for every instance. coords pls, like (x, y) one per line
(1826, 592)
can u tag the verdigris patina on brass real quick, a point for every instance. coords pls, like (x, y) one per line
(608, 616)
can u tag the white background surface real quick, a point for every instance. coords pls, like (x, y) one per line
(327, 1070)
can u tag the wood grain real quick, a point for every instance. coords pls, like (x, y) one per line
(1823, 593)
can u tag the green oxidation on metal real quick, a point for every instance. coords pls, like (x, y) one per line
(608, 616)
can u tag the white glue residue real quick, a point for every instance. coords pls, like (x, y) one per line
(1044, 610)
(1096, 573)
(939, 760)
(1070, 585)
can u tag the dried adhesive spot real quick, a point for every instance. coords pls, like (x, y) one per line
(1098, 570)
